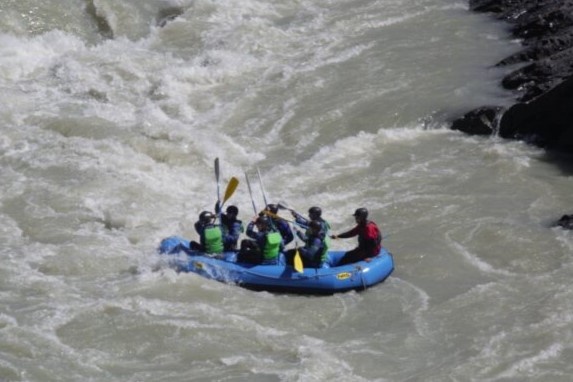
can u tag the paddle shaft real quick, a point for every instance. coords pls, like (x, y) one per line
(262, 187)
(251, 193)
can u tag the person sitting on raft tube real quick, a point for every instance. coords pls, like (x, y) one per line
(210, 234)
(265, 243)
(369, 239)
(314, 254)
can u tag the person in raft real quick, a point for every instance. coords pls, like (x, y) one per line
(264, 245)
(210, 234)
(314, 213)
(232, 227)
(314, 254)
(369, 239)
(279, 224)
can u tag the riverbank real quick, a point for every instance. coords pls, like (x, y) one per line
(543, 80)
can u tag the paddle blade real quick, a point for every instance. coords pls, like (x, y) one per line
(231, 187)
(298, 262)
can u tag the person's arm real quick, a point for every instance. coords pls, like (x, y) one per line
(299, 219)
(353, 232)
(250, 230)
(198, 227)
(287, 232)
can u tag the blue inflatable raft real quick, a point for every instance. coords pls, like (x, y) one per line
(279, 278)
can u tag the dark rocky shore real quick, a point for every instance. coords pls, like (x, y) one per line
(543, 81)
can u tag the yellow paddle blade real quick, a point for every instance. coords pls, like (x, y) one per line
(231, 187)
(298, 262)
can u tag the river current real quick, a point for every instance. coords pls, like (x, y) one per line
(113, 112)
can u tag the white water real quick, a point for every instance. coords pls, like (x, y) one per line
(107, 146)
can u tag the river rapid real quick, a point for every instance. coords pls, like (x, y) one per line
(113, 112)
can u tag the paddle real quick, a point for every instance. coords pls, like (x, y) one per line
(262, 187)
(298, 262)
(251, 193)
(231, 187)
(217, 173)
(283, 206)
(266, 212)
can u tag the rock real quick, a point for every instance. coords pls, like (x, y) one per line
(546, 121)
(543, 112)
(482, 121)
(566, 222)
(543, 85)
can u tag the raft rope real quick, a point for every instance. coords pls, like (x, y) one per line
(361, 271)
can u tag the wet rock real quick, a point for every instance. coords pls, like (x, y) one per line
(566, 222)
(542, 114)
(482, 121)
(543, 84)
(546, 121)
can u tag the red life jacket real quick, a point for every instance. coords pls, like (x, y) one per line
(370, 238)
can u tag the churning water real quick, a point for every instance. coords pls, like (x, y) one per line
(112, 113)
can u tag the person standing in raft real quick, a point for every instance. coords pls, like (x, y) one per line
(210, 234)
(265, 244)
(369, 239)
(315, 251)
(232, 227)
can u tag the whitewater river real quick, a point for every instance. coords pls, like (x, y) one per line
(112, 113)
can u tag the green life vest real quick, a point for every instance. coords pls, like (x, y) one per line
(213, 240)
(325, 246)
(272, 247)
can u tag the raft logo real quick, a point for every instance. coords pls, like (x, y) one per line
(343, 275)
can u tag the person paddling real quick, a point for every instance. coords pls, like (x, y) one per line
(369, 239)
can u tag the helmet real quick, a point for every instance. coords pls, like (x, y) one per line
(314, 211)
(315, 225)
(361, 212)
(273, 208)
(233, 210)
(206, 217)
(263, 220)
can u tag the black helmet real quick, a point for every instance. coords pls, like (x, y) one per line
(233, 210)
(206, 217)
(314, 211)
(263, 220)
(361, 212)
(273, 208)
